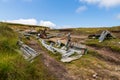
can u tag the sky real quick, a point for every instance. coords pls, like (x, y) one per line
(61, 13)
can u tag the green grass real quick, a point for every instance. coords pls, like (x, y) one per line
(88, 31)
(90, 64)
(86, 60)
(112, 44)
(12, 65)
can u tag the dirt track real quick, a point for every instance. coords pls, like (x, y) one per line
(107, 54)
(59, 70)
(56, 68)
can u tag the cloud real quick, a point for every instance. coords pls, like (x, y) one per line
(23, 21)
(81, 9)
(109, 3)
(32, 22)
(47, 24)
(66, 26)
(118, 16)
(90, 1)
(103, 3)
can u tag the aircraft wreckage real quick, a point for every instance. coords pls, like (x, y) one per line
(69, 50)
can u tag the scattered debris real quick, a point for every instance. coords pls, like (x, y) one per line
(28, 53)
(94, 36)
(43, 34)
(104, 35)
(69, 52)
(27, 34)
(58, 43)
(32, 31)
(68, 43)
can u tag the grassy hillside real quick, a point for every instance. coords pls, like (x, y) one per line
(87, 31)
(115, 30)
(102, 58)
(12, 65)
(16, 26)
(112, 44)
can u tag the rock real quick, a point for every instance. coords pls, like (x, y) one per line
(95, 75)
(118, 42)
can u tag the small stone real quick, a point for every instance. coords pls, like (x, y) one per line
(118, 42)
(95, 75)
(93, 37)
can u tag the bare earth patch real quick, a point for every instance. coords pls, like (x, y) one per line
(55, 67)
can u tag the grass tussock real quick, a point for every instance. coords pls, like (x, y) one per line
(112, 44)
(12, 64)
